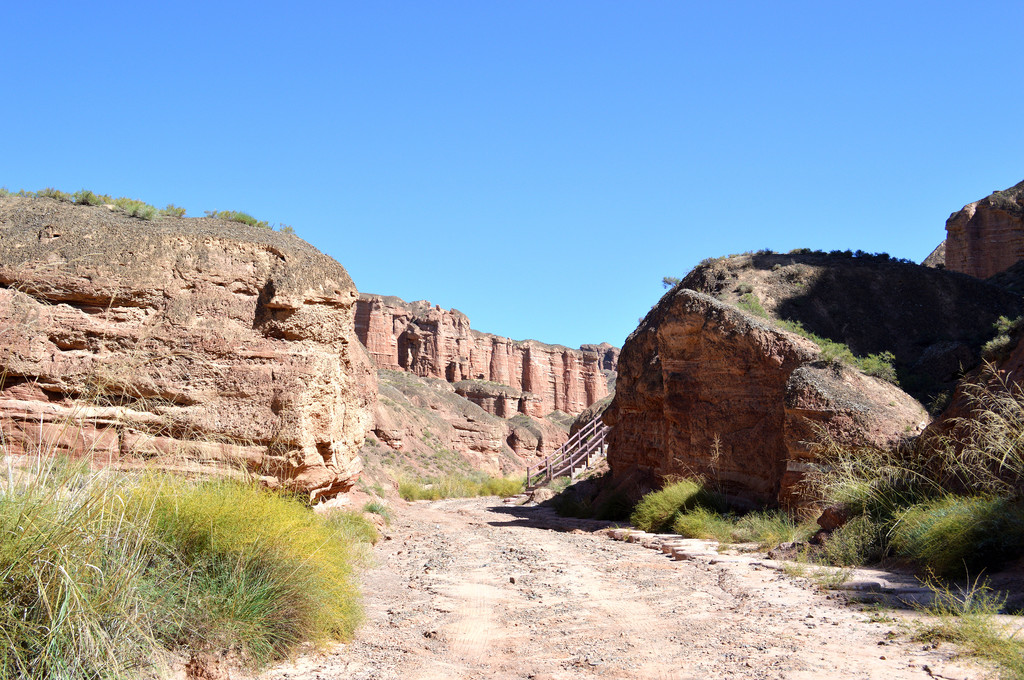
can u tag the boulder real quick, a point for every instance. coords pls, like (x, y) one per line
(708, 390)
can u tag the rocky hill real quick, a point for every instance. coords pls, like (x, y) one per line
(933, 321)
(734, 373)
(199, 344)
(501, 375)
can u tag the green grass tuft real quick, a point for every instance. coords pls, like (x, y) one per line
(957, 534)
(457, 486)
(656, 511)
(379, 508)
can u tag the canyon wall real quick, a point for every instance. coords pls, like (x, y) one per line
(438, 343)
(192, 344)
(987, 237)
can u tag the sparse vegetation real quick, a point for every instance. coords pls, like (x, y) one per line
(879, 365)
(458, 486)
(237, 216)
(690, 509)
(379, 508)
(966, 616)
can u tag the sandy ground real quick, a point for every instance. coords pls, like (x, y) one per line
(471, 588)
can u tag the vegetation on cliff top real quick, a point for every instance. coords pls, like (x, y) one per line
(140, 209)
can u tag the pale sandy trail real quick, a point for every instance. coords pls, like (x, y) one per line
(472, 589)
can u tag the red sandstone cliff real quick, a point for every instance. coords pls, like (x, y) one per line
(438, 343)
(987, 236)
(199, 344)
(707, 389)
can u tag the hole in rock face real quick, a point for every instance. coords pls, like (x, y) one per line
(325, 451)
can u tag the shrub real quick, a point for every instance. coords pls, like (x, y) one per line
(50, 192)
(751, 303)
(86, 197)
(237, 216)
(859, 541)
(1006, 336)
(135, 208)
(656, 511)
(173, 211)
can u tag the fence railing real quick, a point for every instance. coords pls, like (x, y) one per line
(572, 457)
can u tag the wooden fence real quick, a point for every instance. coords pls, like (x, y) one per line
(572, 457)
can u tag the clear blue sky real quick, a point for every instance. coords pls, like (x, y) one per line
(539, 165)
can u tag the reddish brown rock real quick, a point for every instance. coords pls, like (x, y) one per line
(439, 343)
(705, 389)
(987, 236)
(202, 344)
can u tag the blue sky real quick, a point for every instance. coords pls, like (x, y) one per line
(538, 165)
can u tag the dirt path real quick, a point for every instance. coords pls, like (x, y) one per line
(473, 589)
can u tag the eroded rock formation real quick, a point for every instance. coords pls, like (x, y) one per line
(707, 389)
(987, 236)
(200, 343)
(439, 343)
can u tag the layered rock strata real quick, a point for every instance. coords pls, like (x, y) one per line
(706, 389)
(438, 343)
(197, 344)
(987, 236)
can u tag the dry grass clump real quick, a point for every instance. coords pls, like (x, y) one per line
(952, 504)
(102, 574)
(689, 509)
